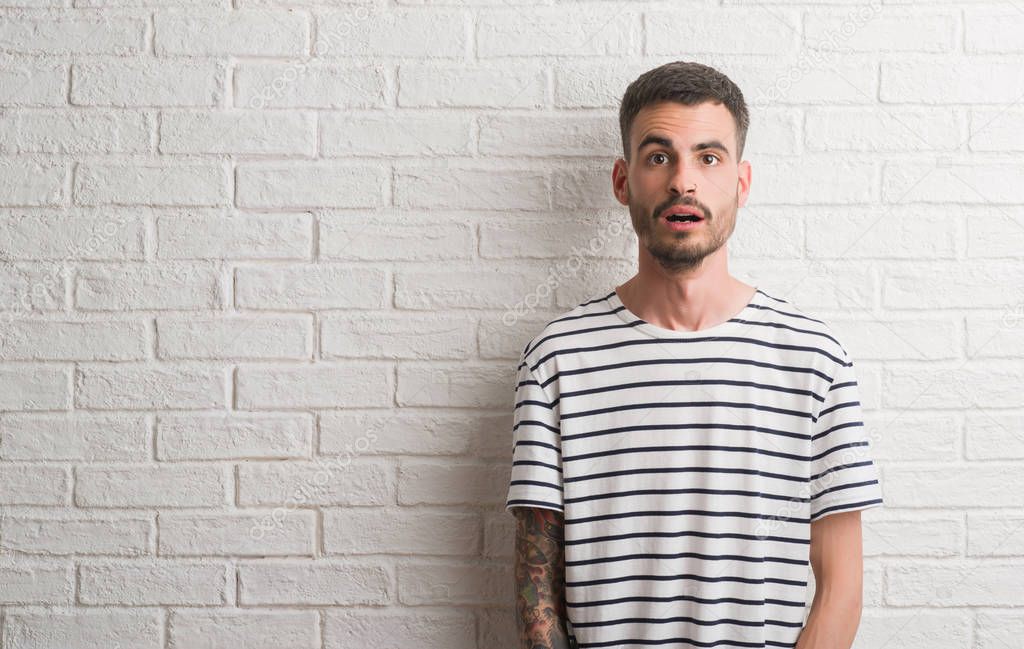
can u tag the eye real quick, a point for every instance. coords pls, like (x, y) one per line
(650, 157)
(710, 155)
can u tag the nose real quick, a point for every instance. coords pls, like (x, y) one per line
(682, 180)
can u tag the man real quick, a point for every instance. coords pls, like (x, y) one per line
(688, 447)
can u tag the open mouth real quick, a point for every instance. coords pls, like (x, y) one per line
(683, 218)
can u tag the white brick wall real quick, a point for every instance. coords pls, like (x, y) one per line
(266, 267)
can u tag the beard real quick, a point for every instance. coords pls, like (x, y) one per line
(679, 252)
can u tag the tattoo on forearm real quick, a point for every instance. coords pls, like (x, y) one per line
(540, 578)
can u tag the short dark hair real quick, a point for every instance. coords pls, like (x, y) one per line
(688, 83)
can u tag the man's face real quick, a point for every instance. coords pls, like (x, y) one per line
(682, 155)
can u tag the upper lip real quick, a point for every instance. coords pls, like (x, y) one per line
(682, 209)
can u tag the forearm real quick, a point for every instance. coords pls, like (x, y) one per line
(540, 579)
(831, 624)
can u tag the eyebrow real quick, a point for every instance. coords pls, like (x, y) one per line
(667, 142)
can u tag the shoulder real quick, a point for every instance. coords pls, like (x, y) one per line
(805, 330)
(566, 329)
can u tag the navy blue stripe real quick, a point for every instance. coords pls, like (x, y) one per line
(694, 490)
(629, 429)
(687, 555)
(704, 535)
(683, 512)
(701, 578)
(691, 447)
(688, 469)
(686, 404)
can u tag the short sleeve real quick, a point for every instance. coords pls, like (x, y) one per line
(844, 476)
(536, 479)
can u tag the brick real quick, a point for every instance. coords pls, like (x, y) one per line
(453, 483)
(593, 85)
(115, 36)
(316, 85)
(461, 187)
(264, 337)
(368, 32)
(905, 534)
(462, 386)
(966, 584)
(997, 628)
(123, 287)
(103, 340)
(996, 129)
(485, 287)
(437, 86)
(80, 436)
(237, 535)
(992, 183)
(535, 135)
(328, 482)
(836, 183)
(557, 237)
(989, 337)
(154, 583)
(505, 340)
(41, 387)
(400, 531)
(394, 134)
(889, 31)
(75, 132)
(990, 535)
(399, 238)
(33, 83)
(882, 128)
(191, 628)
(310, 286)
(148, 83)
(409, 628)
(426, 432)
(233, 32)
(963, 81)
(83, 629)
(33, 485)
(233, 436)
(855, 233)
(499, 535)
(26, 288)
(35, 582)
(314, 386)
(948, 629)
(455, 584)
(953, 486)
(70, 534)
(148, 387)
(244, 132)
(992, 29)
(318, 583)
(723, 31)
(974, 285)
(917, 437)
(994, 436)
(559, 31)
(81, 237)
(152, 184)
(26, 182)
(311, 184)
(235, 236)
(152, 486)
(395, 336)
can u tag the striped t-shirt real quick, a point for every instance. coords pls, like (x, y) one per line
(689, 466)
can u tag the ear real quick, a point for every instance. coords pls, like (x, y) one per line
(620, 181)
(743, 182)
